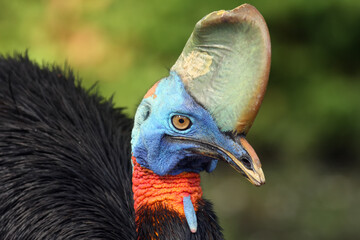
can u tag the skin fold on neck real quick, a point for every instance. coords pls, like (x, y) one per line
(151, 189)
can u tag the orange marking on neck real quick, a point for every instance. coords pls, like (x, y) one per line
(150, 189)
(151, 91)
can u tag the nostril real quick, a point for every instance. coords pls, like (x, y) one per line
(246, 163)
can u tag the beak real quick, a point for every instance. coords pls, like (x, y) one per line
(246, 162)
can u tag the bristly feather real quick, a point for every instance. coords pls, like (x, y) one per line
(65, 170)
(65, 167)
(208, 228)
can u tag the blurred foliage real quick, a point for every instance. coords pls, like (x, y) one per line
(308, 129)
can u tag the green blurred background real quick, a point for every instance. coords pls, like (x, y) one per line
(307, 131)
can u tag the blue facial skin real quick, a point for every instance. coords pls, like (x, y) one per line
(152, 145)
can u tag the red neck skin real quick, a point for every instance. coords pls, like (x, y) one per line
(151, 189)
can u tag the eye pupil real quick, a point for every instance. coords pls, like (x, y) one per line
(181, 122)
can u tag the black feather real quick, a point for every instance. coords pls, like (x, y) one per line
(170, 226)
(65, 168)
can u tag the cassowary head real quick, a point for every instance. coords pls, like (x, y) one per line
(201, 113)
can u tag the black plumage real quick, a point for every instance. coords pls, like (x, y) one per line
(65, 170)
(169, 226)
(64, 158)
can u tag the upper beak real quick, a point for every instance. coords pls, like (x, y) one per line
(249, 164)
(246, 162)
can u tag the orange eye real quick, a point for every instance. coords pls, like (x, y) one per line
(180, 122)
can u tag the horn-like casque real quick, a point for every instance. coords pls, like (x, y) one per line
(225, 66)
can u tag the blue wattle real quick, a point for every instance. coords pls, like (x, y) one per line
(190, 214)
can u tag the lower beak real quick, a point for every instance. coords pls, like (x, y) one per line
(247, 163)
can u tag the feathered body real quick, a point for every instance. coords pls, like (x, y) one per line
(64, 158)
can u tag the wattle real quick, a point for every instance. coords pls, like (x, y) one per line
(151, 189)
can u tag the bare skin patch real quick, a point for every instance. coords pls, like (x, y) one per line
(151, 92)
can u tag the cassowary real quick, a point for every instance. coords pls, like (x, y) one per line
(74, 167)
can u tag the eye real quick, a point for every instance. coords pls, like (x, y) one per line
(181, 122)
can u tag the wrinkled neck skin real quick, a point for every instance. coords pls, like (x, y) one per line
(151, 189)
(159, 207)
